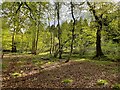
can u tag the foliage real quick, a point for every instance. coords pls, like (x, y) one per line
(116, 87)
(102, 82)
(34, 28)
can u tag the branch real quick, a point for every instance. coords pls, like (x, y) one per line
(19, 7)
(94, 13)
(72, 11)
(28, 6)
(80, 3)
(107, 9)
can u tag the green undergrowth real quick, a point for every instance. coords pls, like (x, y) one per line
(67, 80)
(15, 74)
(101, 62)
(116, 87)
(102, 82)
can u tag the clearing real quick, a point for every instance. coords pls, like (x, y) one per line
(28, 71)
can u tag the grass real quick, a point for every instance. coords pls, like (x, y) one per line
(38, 62)
(116, 87)
(45, 53)
(4, 66)
(82, 59)
(115, 69)
(15, 74)
(101, 62)
(67, 81)
(1, 65)
(102, 82)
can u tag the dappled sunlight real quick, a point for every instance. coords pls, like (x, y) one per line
(60, 45)
(83, 59)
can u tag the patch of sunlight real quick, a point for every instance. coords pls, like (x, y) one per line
(49, 62)
(45, 53)
(83, 59)
(37, 62)
(67, 81)
(15, 74)
(102, 62)
(102, 82)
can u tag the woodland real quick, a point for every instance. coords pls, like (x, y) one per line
(55, 44)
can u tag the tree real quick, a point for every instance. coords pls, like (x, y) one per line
(59, 30)
(99, 20)
(73, 31)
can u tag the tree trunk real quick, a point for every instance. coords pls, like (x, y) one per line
(37, 37)
(99, 52)
(36, 34)
(22, 43)
(33, 47)
(98, 19)
(51, 47)
(73, 33)
(13, 42)
(59, 31)
(33, 51)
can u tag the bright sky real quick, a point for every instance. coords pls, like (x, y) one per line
(58, 0)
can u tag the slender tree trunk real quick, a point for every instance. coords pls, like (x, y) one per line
(33, 47)
(59, 31)
(51, 43)
(36, 34)
(33, 51)
(21, 43)
(13, 42)
(54, 48)
(37, 37)
(51, 39)
(73, 33)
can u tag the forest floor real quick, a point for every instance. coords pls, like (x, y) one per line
(28, 71)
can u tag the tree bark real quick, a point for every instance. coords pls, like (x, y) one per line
(37, 37)
(98, 19)
(33, 46)
(33, 51)
(99, 52)
(22, 43)
(51, 46)
(36, 34)
(13, 42)
(73, 33)
(59, 30)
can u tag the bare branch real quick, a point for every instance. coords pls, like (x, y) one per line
(19, 7)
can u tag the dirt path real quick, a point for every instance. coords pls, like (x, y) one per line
(84, 75)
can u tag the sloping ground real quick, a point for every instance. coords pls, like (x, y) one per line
(84, 75)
